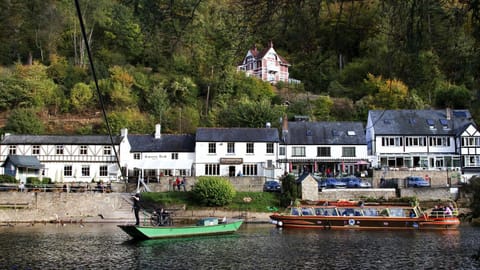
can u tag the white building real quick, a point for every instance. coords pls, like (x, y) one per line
(323, 147)
(236, 152)
(155, 155)
(63, 158)
(424, 139)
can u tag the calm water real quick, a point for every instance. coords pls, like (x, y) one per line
(103, 246)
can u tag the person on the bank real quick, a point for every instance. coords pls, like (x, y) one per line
(136, 207)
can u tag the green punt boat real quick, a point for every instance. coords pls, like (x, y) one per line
(206, 226)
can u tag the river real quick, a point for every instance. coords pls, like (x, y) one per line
(254, 246)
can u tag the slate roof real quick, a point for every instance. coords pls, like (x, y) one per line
(60, 139)
(237, 135)
(419, 122)
(23, 161)
(325, 133)
(166, 143)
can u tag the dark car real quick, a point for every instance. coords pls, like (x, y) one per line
(355, 182)
(272, 186)
(416, 181)
(331, 182)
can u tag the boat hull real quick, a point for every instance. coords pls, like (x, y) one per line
(148, 232)
(328, 223)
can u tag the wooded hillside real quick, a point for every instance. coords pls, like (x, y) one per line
(174, 61)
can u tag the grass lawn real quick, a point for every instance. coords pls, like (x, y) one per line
(260, 201)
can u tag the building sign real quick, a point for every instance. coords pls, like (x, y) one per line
(154, 156)
(231, 160)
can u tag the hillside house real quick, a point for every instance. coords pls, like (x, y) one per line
(266, 65)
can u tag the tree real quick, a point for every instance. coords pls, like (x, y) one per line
(453, 96)
(290, 190)
(81, 97)
(213, 191)
(24, 121)
(248, 113)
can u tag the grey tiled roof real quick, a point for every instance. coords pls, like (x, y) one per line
(325, 133)
(60, 139)
(419, 122)
(166, 143)
(237, 135)
(23, 161)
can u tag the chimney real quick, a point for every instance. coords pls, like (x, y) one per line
(158, 128)
(449, 113)
(124, 132)
(285, 128)
(270, 44)
(268, 125)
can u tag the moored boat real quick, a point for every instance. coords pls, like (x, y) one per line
(360, 215)
(205, 226)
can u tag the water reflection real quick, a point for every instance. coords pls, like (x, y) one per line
(104, 246)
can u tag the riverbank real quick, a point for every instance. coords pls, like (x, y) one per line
(93, 207)
(97, 207)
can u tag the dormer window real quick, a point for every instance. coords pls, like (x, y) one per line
(431, 123)
(444, 123)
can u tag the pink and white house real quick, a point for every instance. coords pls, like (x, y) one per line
(266, 65)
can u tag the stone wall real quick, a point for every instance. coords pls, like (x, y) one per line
(438, 178)
(63, 207)
(241, 183)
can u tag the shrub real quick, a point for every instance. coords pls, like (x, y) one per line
(474, 188)
(7, 179)
(35, 181)
(213, 191)
(290, 190)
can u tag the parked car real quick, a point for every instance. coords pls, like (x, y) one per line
(416, 181)
(331, 182)
(272, 186)
(355, 182)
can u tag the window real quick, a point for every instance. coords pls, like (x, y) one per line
(212, 148)
(415, 141)
(212, 169)
(107, 150)
(348, 151)
(36, 150)
(282, 151)
(83, 150)
(439, 141)
(249, 148)
(174, 155)
(392, 141)
(67, 170)
(298, 151)
(136, 156)
(12, 150)
(103, 170)
(471, 141)
(250, 169)
(323, 152)
(231, 148)
(269, 148)
(85, 170)
(59, 149)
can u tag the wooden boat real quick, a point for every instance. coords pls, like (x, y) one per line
(359, 215)
(205, 226)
